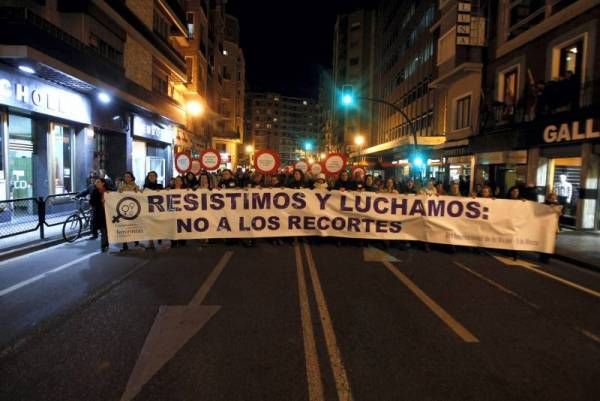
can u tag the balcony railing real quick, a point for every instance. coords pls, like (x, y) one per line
(549, 99)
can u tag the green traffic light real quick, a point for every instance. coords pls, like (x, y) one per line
(347, 100)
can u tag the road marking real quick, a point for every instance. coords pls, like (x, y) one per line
(372, 254)
(514, 262)
(452, 323)
(173, 327)
(497, 285)
(339, 372)
(313, 371)
(533, 268)
(579, 330)
(31, 280)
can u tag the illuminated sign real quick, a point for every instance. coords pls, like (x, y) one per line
(146, 129)
(40, 97)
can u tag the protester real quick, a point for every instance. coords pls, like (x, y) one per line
(227, 180)
(256, 181)
(205, 181)
(110, 185)
(410, 188)
(370, 185)
(128, 185)
(344, 183)
(88, 192)
(439, 188)
(98, 217)
(486, 192)
(297, 180)
(190, 180)
(389, 187)
(455, 189)
(514, 193)
(151, 183)
(428, 189)
(320, 183)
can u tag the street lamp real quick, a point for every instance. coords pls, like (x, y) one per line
(195, 108)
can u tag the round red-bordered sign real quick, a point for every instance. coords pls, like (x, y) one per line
(334, 163)
(316, 168)
(358, 170)
(210, 160)
(196, 167)
(301, 165)
(266, 161)
(183, 162)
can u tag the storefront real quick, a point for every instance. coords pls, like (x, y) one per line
(152, 149)
(501, 170)
(42, 130)
(566, 160)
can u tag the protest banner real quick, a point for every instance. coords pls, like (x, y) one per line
(202, 214)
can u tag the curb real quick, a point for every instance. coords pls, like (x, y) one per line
(576, 262)
(33, 247)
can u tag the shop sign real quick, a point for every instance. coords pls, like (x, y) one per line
(509, 157)
(146, 129)
(574, 131)
(37, 96)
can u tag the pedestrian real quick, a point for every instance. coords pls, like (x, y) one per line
(178, 183)
(455, 189)
(344, 183)
(205, 181)
(370, 185)
(98, 216)
(128, 185)
(297, 180)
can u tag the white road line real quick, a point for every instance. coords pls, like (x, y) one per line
(335, 359)
(444, 316)
(313, 371)
(22, 284)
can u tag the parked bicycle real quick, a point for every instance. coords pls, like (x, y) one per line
(78, 221)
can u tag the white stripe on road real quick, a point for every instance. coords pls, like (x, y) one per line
(22, 284)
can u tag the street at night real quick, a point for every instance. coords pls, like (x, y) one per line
(303, 321)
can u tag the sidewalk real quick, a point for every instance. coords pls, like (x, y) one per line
(579, 247)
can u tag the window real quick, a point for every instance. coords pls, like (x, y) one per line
(571, 58)
(446, 46)
(105, 50)
(190, 24)
(161, 25)
(60, 177)
(189, 66)
(463, 113)
(355, 26)
(160, 81)
(354, 61)
(523, 14)
(508, 89)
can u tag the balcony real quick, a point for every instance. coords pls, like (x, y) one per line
(549, 100)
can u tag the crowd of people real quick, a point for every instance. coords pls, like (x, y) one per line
(100, 183)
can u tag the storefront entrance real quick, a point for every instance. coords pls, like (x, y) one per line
(564, 178)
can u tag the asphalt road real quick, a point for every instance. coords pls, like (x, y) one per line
(303, 321)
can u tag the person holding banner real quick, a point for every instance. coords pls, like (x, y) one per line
(152, 184)
(227, 180)
(296, 180)
(98, 217)
(344, 183)
(320, 183)
(205, 181)
(128, 185)
(370, 185)
(190, 181)
(389, 187)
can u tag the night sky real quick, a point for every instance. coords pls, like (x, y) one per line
(285, 41)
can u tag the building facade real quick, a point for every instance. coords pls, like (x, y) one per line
(541, 123)
(353, 64)
(95, 85)
(288, 125)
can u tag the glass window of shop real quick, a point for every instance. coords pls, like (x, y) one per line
(20, 157)
(60, 159)
(564, 179)
(139, 162)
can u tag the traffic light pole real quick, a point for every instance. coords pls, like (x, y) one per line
(399, 110)
(407, 118)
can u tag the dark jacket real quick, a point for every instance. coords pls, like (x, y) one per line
(87, 191)
(155, 186)
(97, 206)
(347, 185)
(296, 184)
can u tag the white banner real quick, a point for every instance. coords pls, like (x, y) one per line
(254, 213)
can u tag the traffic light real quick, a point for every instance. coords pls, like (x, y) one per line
(417, 161)
(308, 146)
(347, 95)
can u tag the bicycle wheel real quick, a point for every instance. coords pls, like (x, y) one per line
(72, 228)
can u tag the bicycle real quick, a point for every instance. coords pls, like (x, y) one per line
(77, 222)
